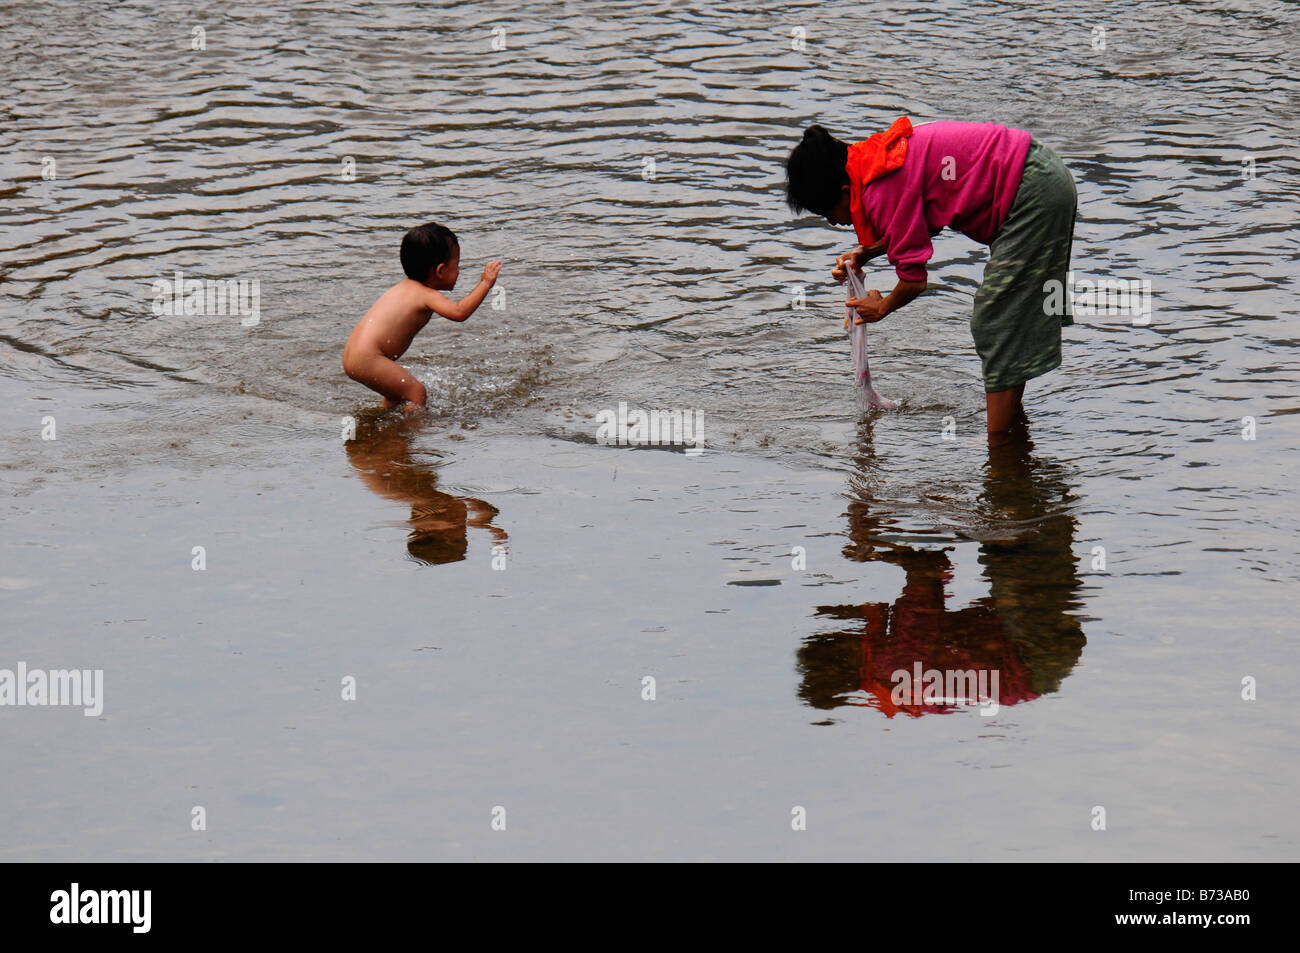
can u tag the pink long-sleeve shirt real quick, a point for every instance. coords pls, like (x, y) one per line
(958, 175)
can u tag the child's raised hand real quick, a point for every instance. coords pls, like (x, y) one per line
(491, 270)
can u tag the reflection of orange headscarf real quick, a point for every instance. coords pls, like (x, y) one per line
(870, 159)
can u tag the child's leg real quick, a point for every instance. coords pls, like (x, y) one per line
(387, 377)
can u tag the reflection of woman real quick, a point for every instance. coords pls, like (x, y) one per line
(1023, 630)
(381, 453)
(1034, 580)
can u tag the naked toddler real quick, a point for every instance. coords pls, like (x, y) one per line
(431, 259)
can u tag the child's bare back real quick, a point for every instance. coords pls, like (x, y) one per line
(431, 259)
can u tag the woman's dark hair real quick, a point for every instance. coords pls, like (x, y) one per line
(425, 247)
(814, 173)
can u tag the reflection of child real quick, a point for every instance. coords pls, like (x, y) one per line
(431, 259)
(440, 522)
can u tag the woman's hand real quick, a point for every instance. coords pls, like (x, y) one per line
(854, 259)
(846, 261)
(870, 309)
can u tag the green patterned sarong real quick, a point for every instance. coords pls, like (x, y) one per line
(1016, 328)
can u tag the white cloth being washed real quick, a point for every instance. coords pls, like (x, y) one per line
(858, 335)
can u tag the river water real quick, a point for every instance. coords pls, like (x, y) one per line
(1125, 575)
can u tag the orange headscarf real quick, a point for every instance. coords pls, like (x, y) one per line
(870, 159)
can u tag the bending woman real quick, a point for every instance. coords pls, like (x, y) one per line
(996, 185)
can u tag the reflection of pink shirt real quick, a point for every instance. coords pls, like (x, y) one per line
(958, 175)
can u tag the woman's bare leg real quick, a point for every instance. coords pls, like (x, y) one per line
(1007, 420)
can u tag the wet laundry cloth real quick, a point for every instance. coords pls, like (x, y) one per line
(858, 335)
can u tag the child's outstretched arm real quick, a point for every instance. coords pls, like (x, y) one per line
(439, 303)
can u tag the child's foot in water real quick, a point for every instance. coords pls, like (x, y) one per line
(408, 408)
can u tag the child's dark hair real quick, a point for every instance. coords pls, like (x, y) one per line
(814, 173)
(425, 247)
